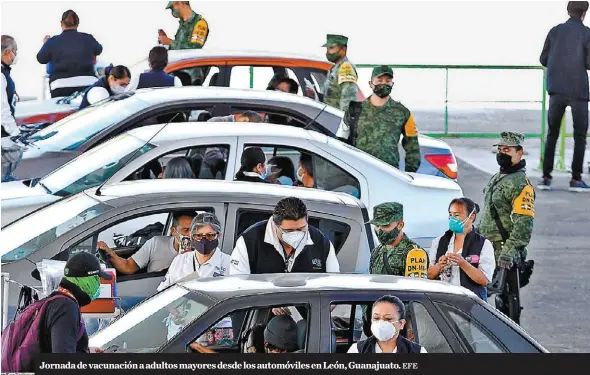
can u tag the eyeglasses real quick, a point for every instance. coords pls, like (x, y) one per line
(208, 236)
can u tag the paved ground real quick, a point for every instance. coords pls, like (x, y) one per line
(556, 302)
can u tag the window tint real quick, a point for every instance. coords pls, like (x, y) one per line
(470, 331)
(199, 76)
(261, 76)
(323, 174)
(336, 231)
(319, 79)
(423, 330)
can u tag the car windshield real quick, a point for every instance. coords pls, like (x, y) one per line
(149, 326)
(94, 167)
(29, 234)
(73, 131)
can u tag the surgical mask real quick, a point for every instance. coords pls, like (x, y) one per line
(96, 295)
(382, 90)
(284, 180)
(205, 246)
(333, 57)
(117, 89)
(293, 239)
(382, 330)
(458, 226)
(387, 237)
(504, 160)
(14, 60)
(175, 13)
(300, 174)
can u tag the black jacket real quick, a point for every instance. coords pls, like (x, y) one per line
(566, 54)
(71, 54)
(403, 345)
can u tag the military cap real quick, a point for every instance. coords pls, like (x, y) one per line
(170, 3)
(386, 213)
(511, 139)
(378, 71)
(332, 40)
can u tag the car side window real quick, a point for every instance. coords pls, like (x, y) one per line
(261, 76)
(199, 76)
(470, 331)
(135, 231)
(424, 331)
(207, 162)
(311, 170)
(336, 231)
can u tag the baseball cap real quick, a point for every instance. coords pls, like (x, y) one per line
(378, 71)
(510, 139)
(84, 265)
(206, 218)
(281, 332)
(333, 39)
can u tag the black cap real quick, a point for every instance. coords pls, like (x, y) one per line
(83, 265)
(281, 332)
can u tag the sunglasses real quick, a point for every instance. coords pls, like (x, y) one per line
(208, 236)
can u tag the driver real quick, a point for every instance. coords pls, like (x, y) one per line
(158, 252)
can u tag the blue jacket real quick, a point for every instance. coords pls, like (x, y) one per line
(155, 78)
(71, 54)
(566, 54)
(100, 83)
(10, 88)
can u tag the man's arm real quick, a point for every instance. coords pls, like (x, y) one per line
(349, 93)
(8, 122)
(239, 262)
(545, 52)
(411, 145)
(332, 264)
(523, 217)
(588, 52)
(126, 266)
(97, 46)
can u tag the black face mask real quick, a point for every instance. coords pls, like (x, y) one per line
(504, 160)
(205, 246)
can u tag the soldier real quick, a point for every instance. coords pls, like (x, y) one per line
(192, 32)
(376, 124)
(397, 254)
(507, 221)
(341, 84)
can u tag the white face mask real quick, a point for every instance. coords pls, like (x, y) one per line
(117, 89)
(293, 239)
(383, 330)
(300, 176)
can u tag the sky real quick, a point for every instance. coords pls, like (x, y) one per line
(417, 32)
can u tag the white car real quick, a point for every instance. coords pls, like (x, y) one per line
(337, 167)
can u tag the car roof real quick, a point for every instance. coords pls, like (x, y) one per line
(167, 94)
(177, 131)
(243, 285)
(188, 54)
(219, 188)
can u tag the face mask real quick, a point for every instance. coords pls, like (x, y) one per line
(383, 330)
(265, 174)
(504, 160)
(14, 60)
(117, 89)
(458, 226)
(205, 246)
(333, 57)
(284, 180)
(293, 239)
(382, 90)
(300, 174)
(96, 295)
(184, 243)
(175, 13)
(387, 237)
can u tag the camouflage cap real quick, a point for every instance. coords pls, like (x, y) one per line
(204, 219)
(333, 39)
(379, 71)
(170, 3)
(511, 139)
(386, 213)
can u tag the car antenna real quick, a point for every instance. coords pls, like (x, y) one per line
(136, 151)
(315, 118)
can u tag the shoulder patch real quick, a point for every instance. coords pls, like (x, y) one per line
(410, 129)
(200, 31)
(417, 264)
(524, 204)
(346, 73)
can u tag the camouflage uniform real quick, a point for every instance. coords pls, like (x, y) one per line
(341, 86)
(397, 256)
(192, 33)
(513, 196)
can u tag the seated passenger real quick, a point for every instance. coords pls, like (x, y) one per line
(178, 167)
(280, 335)
(247, 116)
(274, 81)
(157, 253)
(389, 318)
(288, 85)
(305, 171)
(282, 171)
(253, 166)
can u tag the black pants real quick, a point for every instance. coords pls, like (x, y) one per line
(557, 106)
(66, 91)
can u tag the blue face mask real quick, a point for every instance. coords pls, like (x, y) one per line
(284, 180)
(458, 226)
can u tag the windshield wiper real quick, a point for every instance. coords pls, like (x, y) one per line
(44, 187)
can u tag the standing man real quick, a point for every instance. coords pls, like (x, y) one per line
(376, 124)
(397, 254)
(11, 152)
(341, 84)
(192, 32)
(507, 221)
(566, 55)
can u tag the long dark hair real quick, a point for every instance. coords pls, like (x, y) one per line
(119, 71)
(285, 165)
(178, 167)
(469, 205)
(251, 157)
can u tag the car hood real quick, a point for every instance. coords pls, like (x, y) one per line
(19, 189)
(434, 182)
(43, 164)
(41, 107)
(14, 209)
